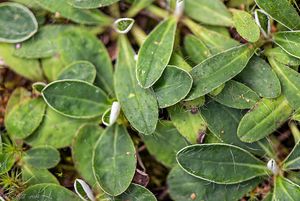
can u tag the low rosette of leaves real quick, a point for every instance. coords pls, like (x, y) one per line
(146, 100)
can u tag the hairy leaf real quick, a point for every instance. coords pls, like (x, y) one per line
(285, 190)
(289, 42)
(17, 23)
(292, 161)
(155, 53)
(264, 118)
(220, 163)
(139, 105)
(114, 160)
(34, 176)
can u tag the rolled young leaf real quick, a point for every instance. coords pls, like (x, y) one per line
(212, 12)
(42, 157)
(292, 161)
(155, 53)
(114, 160)
(88, 4)
(139, 105)
(79, 70)
(259, 76)
(237, 95)
(282, 11)
(290, 82)
(220, 163)
(50, 192)
(216, 70)
(264, 118)
(17, 23)
(246, 26)
(198, 189)
(75, 98)
(289, 41)
(25, 118)
(285, 190)
(173, 79)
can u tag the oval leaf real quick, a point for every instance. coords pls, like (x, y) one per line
(246, 26)
(75, 98)
(172, 79)
(259, 76)
(223, 163)
(282, 56)
(49, 192)
(237, 95)
(155, 53)
(42, 157)
(17, 23)
(139, 105)
(79, 70)
(136, 192)
(82, 150)
(114, 160)
(195, 189)
(264, 118)
(282, 11)
(218, 69)
(33, 176)
(212, 12)
(25, 118)
(292, 161)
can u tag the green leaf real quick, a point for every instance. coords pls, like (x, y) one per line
(123, 25)
(165, 142)
(172, 79)
(223, 123)
(292, 161)
(64, 128)
(17, 23)
(290, 82)
(82, 16)
(282, 11)
(7, 161)
(195, 189)
(216, 42)
(246, 26)
(71, 43)
(139, 105)
(220, 163)
(25, 118)
(212, 12)
(137, 6)
(88, 4)
(19, 95)
(188, 122)
(42, 157)
(43, 44)
(82, 150)
(155, 53)
(178, 60)
(237, 95)
(196, 49)
(74, 98)
(29, 69)
(135, 192)
(285, 190)
(50, 192)
(264, 118)
(218, 69)
(259, 76)
(114, 160)
(34, 176)
(263, 21)
(79, 70)
(289, 42)
(282, 56)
